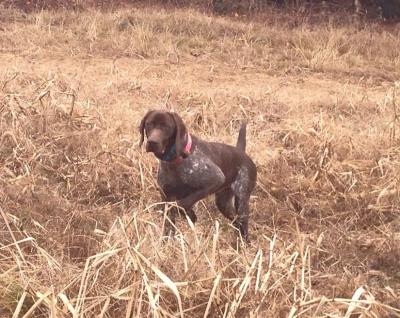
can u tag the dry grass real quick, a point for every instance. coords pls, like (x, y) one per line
(80, 223)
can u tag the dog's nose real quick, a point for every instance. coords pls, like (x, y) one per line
(152, 146)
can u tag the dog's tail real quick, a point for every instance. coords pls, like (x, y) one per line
(241, 142)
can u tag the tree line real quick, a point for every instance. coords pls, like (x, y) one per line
(387, 9)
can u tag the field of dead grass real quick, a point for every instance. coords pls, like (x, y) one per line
(80, 219)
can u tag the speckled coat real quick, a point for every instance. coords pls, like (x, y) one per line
(211, 168)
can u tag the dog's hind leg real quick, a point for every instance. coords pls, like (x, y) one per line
(242, 219)
(242, 188)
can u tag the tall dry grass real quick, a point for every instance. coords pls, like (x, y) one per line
(80, 229)
(274, 45)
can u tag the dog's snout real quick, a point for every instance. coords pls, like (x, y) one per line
(154, 141)
(152, 145)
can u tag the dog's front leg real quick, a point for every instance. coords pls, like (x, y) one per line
(187, 202)
(207, 181)
(170, 212)
(170, 217)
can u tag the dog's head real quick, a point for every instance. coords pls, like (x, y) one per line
(163, 129)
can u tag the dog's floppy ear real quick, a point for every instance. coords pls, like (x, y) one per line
(142, 125)
(180, 133)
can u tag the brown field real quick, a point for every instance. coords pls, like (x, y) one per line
(80, 219)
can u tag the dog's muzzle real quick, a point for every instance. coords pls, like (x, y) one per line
(154, 146)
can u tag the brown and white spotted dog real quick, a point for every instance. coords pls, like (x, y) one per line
(191, 169)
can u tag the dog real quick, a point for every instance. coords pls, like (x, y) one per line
(190, 169)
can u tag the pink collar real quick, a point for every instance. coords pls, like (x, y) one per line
(188, 146)
(186, 150)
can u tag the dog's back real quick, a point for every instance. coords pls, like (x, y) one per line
(230, 159)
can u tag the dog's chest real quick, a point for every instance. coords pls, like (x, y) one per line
(195, 170)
